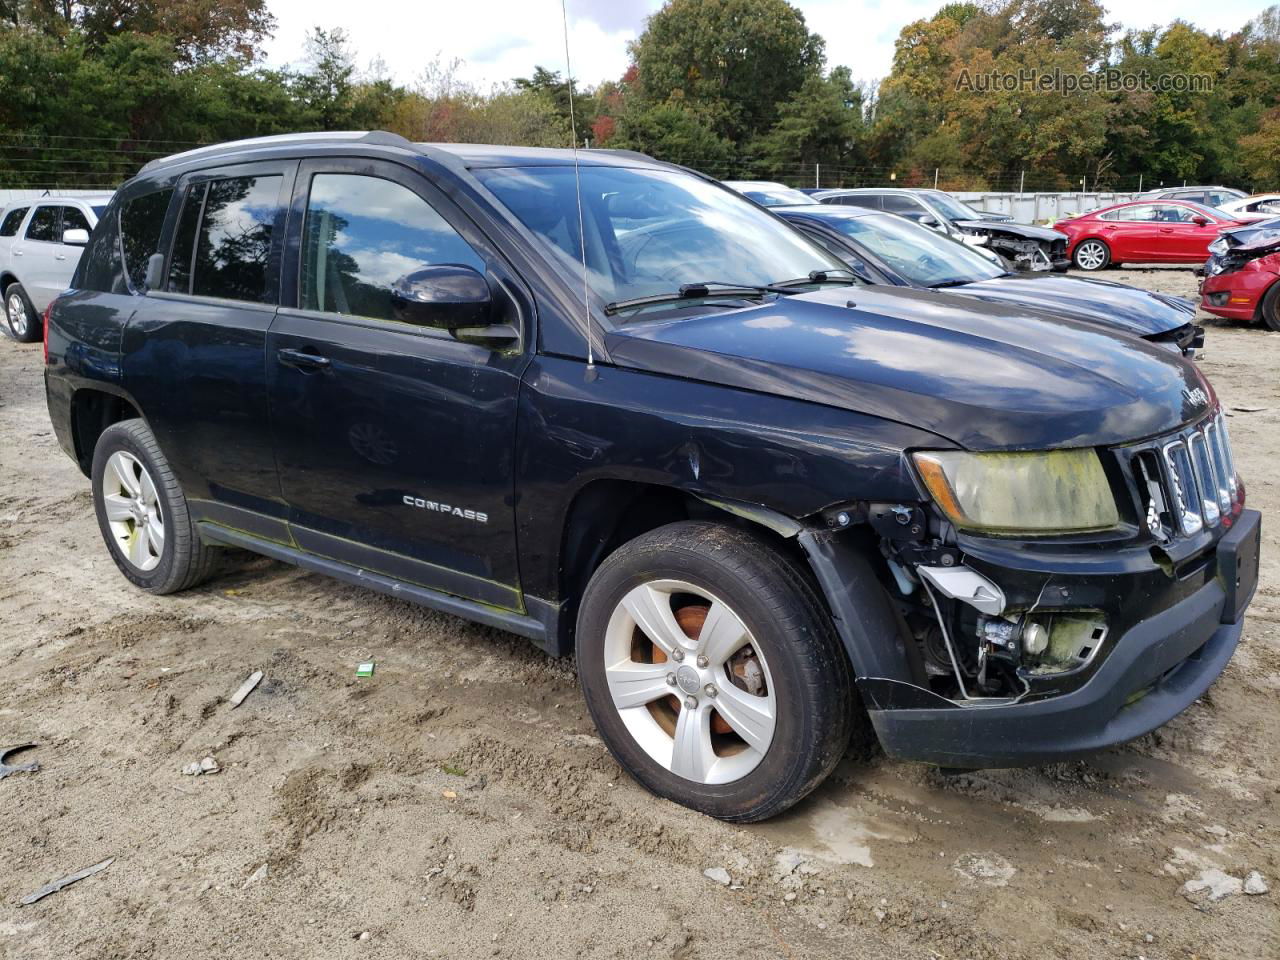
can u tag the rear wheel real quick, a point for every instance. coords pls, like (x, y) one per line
(712, 671)
(1270, 309)
(20, 315)
(143, 514)
(1092, 254)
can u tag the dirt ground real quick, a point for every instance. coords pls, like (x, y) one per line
(458, 804)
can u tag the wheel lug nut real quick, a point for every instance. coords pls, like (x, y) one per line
(690, 702)
(677, 654)
(709, 690)
(671, 679)
(703, 661)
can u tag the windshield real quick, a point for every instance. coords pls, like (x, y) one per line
(649, 232)
(99, 209)
(953, 208)
(778, 197)
(923, 256)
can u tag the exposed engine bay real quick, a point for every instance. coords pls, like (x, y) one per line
(1026, 247)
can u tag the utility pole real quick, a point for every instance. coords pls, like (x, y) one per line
(1022, 181)
(935, 178)
(817, 175)
(1139, 183)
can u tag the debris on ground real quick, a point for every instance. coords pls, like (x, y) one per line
(6, 769)
(364, 669)
(1250, 409)
(66, 882)
(1212, 884)
(246, 688)
(1254, 885)
(200, 767)
(260, 874)
(719, 874)
(991, 869)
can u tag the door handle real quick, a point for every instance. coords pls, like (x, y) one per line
(59, 256)
(17, 253)
(302, 359)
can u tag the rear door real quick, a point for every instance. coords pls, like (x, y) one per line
(38, 260)
(9, 226)
(1132, 235)
(194, 353)
(395, 440)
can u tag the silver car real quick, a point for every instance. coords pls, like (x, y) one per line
(40, 245)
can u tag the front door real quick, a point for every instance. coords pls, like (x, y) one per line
(36, 260)
(395, 439)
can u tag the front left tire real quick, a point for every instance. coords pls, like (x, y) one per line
(713, 672)
(142, 513)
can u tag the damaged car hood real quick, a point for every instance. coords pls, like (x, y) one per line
(1099, 301)
(1025, 230)
(989, 377)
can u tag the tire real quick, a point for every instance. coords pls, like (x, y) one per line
(1096, 254)
(790, 690)
(1269, 309)
(134, 495)
(20, 317)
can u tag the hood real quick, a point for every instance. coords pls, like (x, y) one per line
(1254, 237)
(986, 377)
(1024, 230)
(1135, 311)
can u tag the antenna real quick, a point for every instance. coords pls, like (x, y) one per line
(577, 188)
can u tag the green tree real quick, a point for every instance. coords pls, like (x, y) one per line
(674, 133)
(820, 124)
(731, 61)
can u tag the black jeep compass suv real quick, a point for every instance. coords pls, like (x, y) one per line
(607, 404)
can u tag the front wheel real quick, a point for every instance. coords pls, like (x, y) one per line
(1270, 309)
(713, 672)
(1092, 255)
(143, 514)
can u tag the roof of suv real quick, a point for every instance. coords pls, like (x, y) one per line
(470, 154)
(89, 198)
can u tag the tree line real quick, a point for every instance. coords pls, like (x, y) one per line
(91, 89)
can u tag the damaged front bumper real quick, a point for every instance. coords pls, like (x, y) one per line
(1173, 628)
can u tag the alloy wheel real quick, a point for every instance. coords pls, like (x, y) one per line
(689, 682)
(17, 311)
(134, 513)
(1091, 255)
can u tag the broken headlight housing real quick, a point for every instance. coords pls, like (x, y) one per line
(1033, 493)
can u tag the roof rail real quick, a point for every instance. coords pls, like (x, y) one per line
(381, 137)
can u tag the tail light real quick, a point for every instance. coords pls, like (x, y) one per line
(48, 311)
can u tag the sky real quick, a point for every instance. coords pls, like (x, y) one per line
(501, 39)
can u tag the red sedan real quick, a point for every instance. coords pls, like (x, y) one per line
(1150, 231)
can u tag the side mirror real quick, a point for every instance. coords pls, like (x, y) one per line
(449, 296)
(75, 237)
(1200, 221)
(929, 221)
(154, 276)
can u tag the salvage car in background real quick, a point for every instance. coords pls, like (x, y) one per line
(40, 245)
(1143, 231)
(1206, 196)
(1027, 247)
(1242, 277)
(1261, 206)
(767, 193)
(881, 248)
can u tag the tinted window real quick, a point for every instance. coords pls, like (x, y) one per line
(869, 200)
(73, 218)
(12, 220)
(100, 267)
(895, 203)
(231, 239)
(44, 224)
(141, 220)
(361, 235)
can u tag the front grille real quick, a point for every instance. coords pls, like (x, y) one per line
(1188, 481)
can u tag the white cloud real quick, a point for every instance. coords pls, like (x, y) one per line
(502, 39)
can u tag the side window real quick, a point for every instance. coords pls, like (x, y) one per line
(44, 224)
(1142, 213)
(100, 267)
(906, 206)
(73, 218)
(223, 240)
(1169, 213)
(12, 221)
(871, 201)
(362, 234)
(141, 221)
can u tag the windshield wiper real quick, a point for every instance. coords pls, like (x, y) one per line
(818, 277)
(949, 283)
(700, 291)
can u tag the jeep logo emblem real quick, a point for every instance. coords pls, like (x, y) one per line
(1195, 397)
(687, 680)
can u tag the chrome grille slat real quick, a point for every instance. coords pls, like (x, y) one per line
(1198, 486)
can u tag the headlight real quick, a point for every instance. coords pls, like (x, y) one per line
(1218, 246)
(1037, 493)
